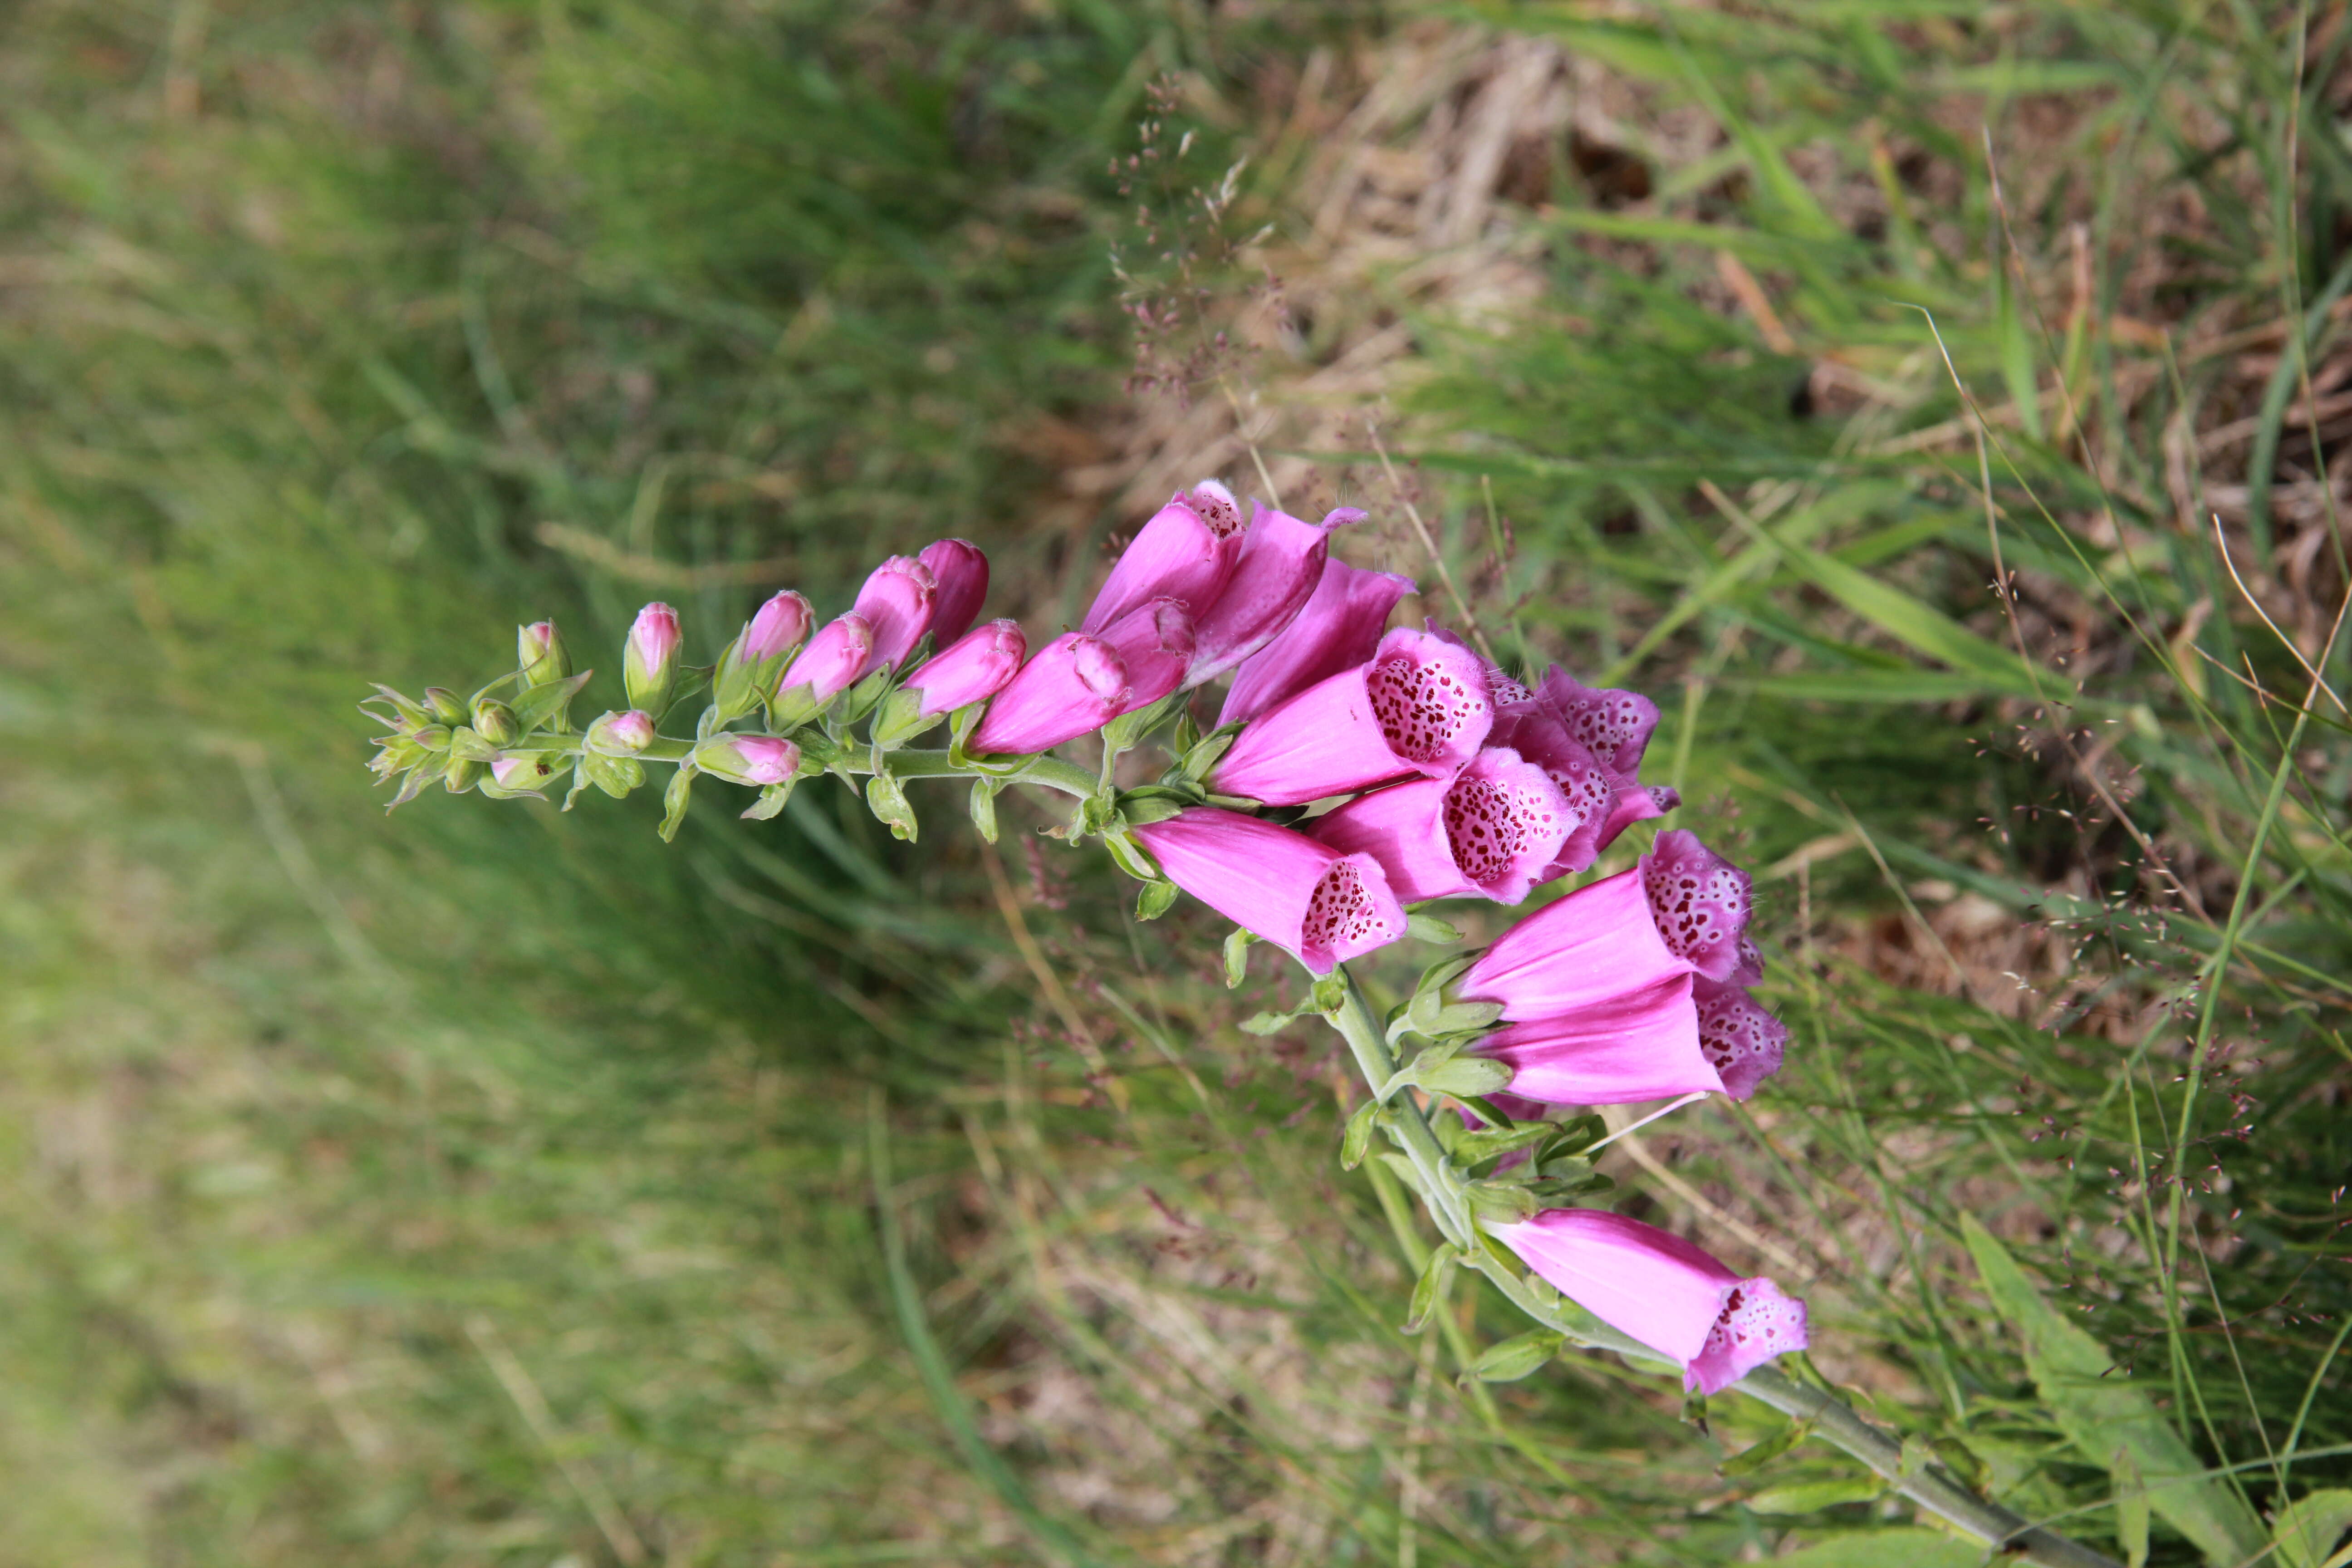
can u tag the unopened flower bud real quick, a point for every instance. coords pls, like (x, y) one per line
(522, 774)
(749, 759)
(753, 664)
(464, 773)
(649, 660)
(445, 705)
(494, 721)
(629, 732)
(832, 659)
(540, 654)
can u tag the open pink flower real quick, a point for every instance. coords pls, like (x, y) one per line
(896, 602)
(1588, 789)
(1186, 552)
(1419, 706)
(1337, 629)
(1318, 905)
(1701, 902)
(1491, 831)
(1740, 1040)
(1661, 1290)
(977, 666)
(1605, 1001)
(1072, 685)
(1154, 642)
(959, 572)
(1615, 728)
(1282, 560)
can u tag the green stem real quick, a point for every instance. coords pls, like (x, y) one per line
(1052, 773)
(1832, 1419)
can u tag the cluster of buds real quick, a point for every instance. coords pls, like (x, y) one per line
(1352, 771)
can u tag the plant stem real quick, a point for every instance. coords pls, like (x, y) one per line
(1052, 773)
(1832, 1420)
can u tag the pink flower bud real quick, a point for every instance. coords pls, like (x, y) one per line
(650, 661)
(629, 732)
(1419, 706)
(961, 573)
(1186, 552)
(540, 654)
(777, 627)
(749, 759)
(1281, 561)
(1072, 686)
(896, 602)
(1318, 905)
(1661, 1290)
(975, 667)
(834, 659)
(1154, 642)
(1338, 631)
(525, 773)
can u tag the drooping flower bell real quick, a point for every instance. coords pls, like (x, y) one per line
(1318, 905)
(1186, 552)
(649, 658)
(1660, 1289)
(960, 571)
(827, 667)
(1492, 831)
(1338, 629)
(1606, 996)
(1154, 641)
(1614, 726)
(1072, 686)
(1281, 561)
(1420, 705)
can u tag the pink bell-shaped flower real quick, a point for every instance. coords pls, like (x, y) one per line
(959, 572)
(834, 659)
(1492, 831)
(1419, 706)
(1588, 789)
(1701, 902)
(1186, 552)
(1282, 560)
(1338, 629)
(1740, 1040)
(1637, 1044)
(1154, 641)
(1615, 728)
(896, 602)
(1318, 905)
(976, 666)
(1661, 1290)
(1072, 685)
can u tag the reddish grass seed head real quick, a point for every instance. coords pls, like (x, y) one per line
(1421, 708)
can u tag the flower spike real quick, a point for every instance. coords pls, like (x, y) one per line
(1319, 906)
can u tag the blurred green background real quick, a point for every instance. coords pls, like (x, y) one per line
(488, 1185)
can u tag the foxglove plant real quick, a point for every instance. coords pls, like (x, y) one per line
(1355, 772)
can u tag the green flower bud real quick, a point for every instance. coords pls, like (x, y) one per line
(540, 654)
(494, 721)
(445, 705)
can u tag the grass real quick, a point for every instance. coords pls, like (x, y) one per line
(486, 1186)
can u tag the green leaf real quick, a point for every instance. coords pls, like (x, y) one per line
(1747, 1461)
(1911, 1546)
(674, 801)
(1430, 1288)
(1810, 1496)
(2103, 1412)
(1264, 1024)
(1156, 899)
(2309, 1527)
(1237, 946)
(888, 800)
(1505, 1201)
(1466, 1076)
(1514, 1357)
(1132, 858)
(546, 704)
(771, 801)
(983, 806)
(1357, 1137)
(2131, 1508)
(1424, 927)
